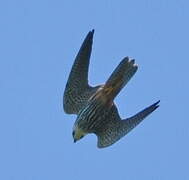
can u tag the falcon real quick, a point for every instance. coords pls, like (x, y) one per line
(94, 106)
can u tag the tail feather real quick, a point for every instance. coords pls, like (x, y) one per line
(120, 77)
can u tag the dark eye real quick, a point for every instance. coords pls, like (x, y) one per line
(73, 133)
(82, 136)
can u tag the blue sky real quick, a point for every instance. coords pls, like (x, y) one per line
(38, 42)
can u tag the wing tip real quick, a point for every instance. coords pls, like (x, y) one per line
(91, 33)
(89, 37)
(156, 104)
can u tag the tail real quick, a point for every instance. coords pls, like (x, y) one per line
(120, 77)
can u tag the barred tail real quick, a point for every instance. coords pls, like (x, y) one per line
(120, 77)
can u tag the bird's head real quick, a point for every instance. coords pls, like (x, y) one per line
(78, 133)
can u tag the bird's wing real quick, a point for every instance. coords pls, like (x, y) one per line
(77, 90)
(115, 128)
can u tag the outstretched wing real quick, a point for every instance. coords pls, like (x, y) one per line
(115, 128)
(77, 90)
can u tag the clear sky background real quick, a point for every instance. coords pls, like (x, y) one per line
(39, 40)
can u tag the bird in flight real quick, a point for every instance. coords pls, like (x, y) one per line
(94, 106)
